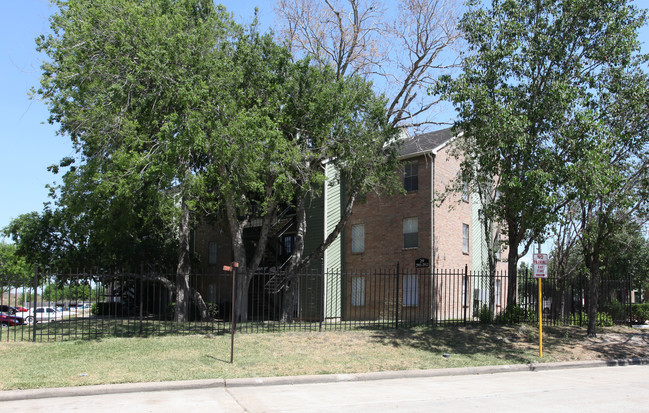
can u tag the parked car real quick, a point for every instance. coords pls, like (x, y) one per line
(7, 309)
(10, 320)
(43, 314)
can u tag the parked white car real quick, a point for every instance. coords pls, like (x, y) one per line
(43, 314)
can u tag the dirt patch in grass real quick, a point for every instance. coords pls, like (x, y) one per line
(518, 342)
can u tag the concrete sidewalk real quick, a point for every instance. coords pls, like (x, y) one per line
(81, 391)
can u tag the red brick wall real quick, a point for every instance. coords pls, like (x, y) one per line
(383, 218)
(449, 217)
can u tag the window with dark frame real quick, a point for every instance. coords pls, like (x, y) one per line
(358, 238)
(212, 253)
(410, 233)
(411, 176)
(358, 291)
(410, 290)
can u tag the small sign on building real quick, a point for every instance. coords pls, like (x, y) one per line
(540, 265)
(422, 263)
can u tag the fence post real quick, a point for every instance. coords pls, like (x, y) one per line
(396, 319)
(35, 303)
(630, 311)
(141, 298)
(466, 289)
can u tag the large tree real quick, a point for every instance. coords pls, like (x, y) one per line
(610, 140)
(171, 101)
(132, 84)
(286, 120)
(14, 269)
(529, 76)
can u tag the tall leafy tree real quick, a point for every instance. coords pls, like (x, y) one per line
(15, 271)
(530, 76)
(284, 120)
(132, 84)
(172, 102)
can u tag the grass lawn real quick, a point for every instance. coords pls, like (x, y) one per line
(27, 365)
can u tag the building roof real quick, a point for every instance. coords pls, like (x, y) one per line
(429, 142)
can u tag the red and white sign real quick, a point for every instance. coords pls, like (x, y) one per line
(540, 265)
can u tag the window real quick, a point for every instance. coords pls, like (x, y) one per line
(211, 293)
(411, 176)
(410, 290)
(358, 291)
(358, 238)
(211, 253)
(410, 233)
(465, 239)
(288, 244)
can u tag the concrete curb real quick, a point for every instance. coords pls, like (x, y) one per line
(13, 395)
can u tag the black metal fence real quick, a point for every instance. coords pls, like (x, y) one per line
(89, 305)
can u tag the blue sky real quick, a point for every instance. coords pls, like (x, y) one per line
(29, 144)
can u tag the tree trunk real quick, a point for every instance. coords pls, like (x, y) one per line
(288, 304)
(241, 295)
(593, 300)
(512, 271)
(181, 313)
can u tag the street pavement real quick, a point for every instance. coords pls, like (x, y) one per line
(560, 387)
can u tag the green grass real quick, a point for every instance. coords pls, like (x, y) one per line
(121, 360)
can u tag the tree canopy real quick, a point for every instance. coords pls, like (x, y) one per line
(532, 90)
(178, 112)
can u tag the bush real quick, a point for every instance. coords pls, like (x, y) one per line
(616, 310)
(512, 315)
(603, 319)
(212, 310)
(194, 313)
(94, 309)
(640, 313)
(485, 316)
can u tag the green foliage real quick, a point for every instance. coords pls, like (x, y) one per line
(640, 312)
(603, 320)
(513, 314)
(615, 309)
(212, 310)
(485, 315)
(94, 309)
(194, 313)
(14, 269)
(55, 292)
(549, 90)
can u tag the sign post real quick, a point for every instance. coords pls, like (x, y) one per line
(232, 268)
(540, 271)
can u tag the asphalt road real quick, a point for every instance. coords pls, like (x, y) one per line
(595, 389)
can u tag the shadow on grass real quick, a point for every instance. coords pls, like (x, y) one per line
(497, 341)
(519, 343)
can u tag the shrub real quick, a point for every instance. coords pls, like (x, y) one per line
(212, 310)
(513, 314)
(194, 313)
(603, 319)
(640, 313)
(94, 309)
(485, 316)
(616, 310)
